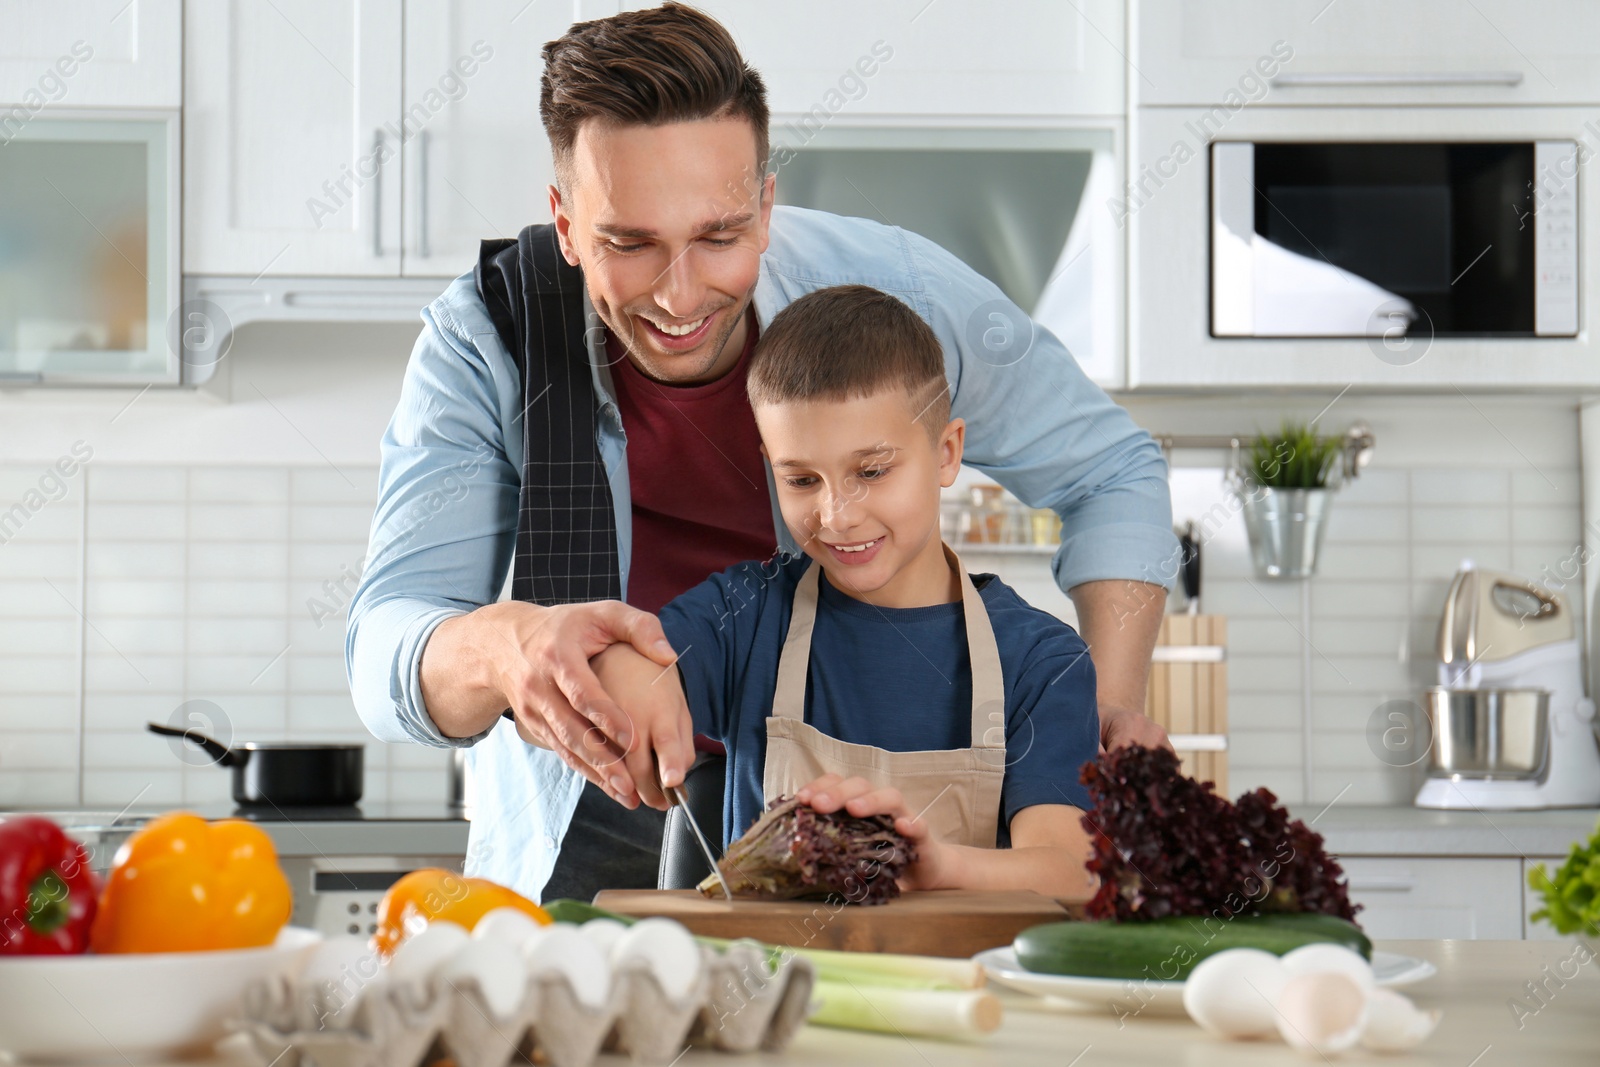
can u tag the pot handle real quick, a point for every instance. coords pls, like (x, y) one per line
(224, 755)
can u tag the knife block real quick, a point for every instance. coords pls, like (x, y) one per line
(1188, 693)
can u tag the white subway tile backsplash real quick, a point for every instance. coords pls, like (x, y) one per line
(1442, 560)
(1361, 562)
(317, 674)
(139, 598)
(113, 712)
(1248, 673)
(39, 674)
(37, 598)
(1263, 637)
(38, 789)
(1376, 485)
(1358, 674)
(117, 520)
(266, 637)
(1342, 637)
(133, 559)
(35, 711)
(136, 750)
(1455, 486)
(245, 715)
(1546, 485)
(36, 636)
(266, 673)
(331, 522)
(238, 522)
(348, 485)
(39, 750)
(326, 713)
(1264, 711)
(1264, 748)
(137, 484)
(226, 560)
(1438, 525)
(1540, 522)
(108, 672)
(1350, 524)
(230, 598)
(238, 485)
(116, 789)
(130, 637)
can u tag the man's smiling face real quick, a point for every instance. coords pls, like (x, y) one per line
(668, 223)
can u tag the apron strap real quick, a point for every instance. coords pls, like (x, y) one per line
(988, 681)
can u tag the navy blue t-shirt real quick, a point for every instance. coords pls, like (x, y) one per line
(895, 678)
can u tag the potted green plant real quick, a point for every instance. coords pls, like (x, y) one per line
(1284, 484)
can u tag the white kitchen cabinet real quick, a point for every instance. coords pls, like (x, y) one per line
(831, 60)
(86, 54)
(1368, 51)
(477, 162)
(1416, 897)
(292, 128)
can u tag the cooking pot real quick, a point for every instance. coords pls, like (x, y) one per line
(285, 773)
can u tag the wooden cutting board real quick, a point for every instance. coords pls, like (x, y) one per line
(946, 922)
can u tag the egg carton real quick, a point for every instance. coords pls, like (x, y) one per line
(735, 1005)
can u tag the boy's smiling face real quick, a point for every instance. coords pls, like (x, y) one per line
(858, 485)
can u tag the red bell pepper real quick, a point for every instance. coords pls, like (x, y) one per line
(48, 893)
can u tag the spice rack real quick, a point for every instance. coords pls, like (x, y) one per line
(1188, 693)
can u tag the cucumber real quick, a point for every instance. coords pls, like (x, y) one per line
(1168, 949)
(567, 910)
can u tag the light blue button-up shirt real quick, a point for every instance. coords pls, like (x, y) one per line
(445, 527)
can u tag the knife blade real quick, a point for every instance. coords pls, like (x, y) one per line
(678, 797)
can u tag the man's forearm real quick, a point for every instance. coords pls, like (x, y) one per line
(1120, 621)
(459, 686)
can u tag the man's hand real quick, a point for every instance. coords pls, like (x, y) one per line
(1124, 726)
(535, 661)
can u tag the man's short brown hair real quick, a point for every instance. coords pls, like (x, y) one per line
(851, 341)
(671, 63)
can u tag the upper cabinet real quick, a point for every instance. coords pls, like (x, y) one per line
(293, 137)
(88, 54)
(831, 60)
(476, 157)
(1367, 52)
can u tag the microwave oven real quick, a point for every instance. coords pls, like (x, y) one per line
(1383, 239)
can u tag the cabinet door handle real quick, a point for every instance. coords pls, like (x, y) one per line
(1506, 78)
(377, 192)
(1380, 884)
(422, 194)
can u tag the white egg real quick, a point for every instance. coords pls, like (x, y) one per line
(1322, 1012)
(1325, 956)
(424, 950)
(564, 950)
(667, 948)
(340, 971)
(1394, 1023)
(604, 932)
(512, 926)
(1232, 993)
(498, 969)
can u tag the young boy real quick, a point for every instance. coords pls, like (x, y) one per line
(872, 673)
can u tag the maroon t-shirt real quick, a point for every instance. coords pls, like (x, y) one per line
(699, 487)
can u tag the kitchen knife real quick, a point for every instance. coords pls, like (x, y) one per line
(681, 799)
(678, 797)
(1190, 557)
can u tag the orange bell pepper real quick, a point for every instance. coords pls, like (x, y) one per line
(181, 884)
(436, 894)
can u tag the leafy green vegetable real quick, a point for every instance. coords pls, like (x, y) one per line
(1572, 897)
(1295, 459)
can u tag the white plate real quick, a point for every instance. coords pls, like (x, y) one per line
(135, 1004)
(1132, 996)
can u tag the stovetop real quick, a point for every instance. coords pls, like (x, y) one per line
(372, 812)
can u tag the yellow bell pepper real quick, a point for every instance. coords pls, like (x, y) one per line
(435, 894)
(181, 884)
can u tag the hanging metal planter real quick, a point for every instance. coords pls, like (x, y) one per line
(1286, 524)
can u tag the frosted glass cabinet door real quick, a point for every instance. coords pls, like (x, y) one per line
(89, 250)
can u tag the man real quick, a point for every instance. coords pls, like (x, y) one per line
(559, 394)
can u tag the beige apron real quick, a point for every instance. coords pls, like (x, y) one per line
(956, 791)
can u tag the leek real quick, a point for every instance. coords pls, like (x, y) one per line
(931, 1013)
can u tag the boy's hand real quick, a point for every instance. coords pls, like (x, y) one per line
(660, 728)
(937, 863)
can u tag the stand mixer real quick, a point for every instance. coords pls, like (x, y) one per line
(1511, 726)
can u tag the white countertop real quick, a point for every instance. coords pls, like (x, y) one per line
(1352, 830)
